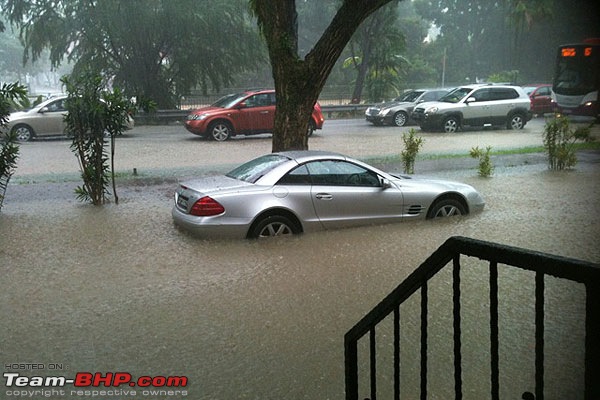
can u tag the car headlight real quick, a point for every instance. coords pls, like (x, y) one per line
(431, 110)
(197, 116)
(384, 112)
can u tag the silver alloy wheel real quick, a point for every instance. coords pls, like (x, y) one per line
(23, 133)
(220, 132)
(400, 118)
(516, 122)
(275, 228)
(448, 210)
(450, 125)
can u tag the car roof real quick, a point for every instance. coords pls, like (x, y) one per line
(307, 155)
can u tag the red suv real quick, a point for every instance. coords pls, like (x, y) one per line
(246, 113)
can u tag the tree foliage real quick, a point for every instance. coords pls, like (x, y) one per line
(154, 49)
(377, 49)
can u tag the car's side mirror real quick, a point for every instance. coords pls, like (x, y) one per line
(471, 100)
(241, 105)
(44, 110)
(385, 184)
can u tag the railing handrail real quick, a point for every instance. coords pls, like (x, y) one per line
(543, 264)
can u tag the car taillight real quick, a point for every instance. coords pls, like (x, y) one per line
(206, 207)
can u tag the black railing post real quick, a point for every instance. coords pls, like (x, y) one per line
(494, 343)
(457, 329)
(541, 264)
(424, 313)
(539, 335)
(592, 341)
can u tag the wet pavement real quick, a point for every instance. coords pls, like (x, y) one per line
(119, 288)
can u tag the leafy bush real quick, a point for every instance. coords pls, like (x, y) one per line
(559, 142)
(486, 168)
(11, 95)
(93, 115)
(412, 145)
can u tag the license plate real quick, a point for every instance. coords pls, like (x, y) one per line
(182, 202)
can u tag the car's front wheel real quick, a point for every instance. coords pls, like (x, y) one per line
(400, 118)
(446, 208)
(273, 225)
(220, 131)
(451, 125)
(23, 133)
(516, 121)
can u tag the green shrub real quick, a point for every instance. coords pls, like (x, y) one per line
(93, 115)
(11, 96)
(412, 145)
(559, 142)
(486, 168)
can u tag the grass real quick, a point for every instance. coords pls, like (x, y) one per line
(522, 150)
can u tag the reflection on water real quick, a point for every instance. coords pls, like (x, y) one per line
(119, 288)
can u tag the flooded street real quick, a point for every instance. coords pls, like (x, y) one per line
(119, 288)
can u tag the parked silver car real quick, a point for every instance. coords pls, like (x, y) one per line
(398, 111)
(304, 191)
(476, 105)
(45, 119)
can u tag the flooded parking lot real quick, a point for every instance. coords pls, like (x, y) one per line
(119, 288)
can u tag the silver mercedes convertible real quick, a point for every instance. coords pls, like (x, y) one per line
(305, 191)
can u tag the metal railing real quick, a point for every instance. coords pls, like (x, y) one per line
(498, 256)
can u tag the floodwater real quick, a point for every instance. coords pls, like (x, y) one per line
(120, 289)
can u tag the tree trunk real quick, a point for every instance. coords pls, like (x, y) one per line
(298, 82)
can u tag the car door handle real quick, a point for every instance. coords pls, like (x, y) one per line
(324, 196)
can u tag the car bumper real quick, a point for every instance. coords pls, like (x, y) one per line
(211, 227)
(196, 127)
(428, 121)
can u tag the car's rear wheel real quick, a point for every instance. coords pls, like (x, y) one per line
(220, 131)
(451, 125)
(400, 118)
(311, 128)
(23, 133)
(446, 208)
(515, 121)
(273, 225)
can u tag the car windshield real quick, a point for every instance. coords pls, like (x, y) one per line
(253, 170)
(229, 100)
(456, 95)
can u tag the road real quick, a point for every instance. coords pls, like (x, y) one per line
(119, 288)
(171, 150)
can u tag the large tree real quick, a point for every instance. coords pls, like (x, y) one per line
(298, 81)
(153, 49)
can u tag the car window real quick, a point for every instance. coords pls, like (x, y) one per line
(259, 100)
(298, 176)
(229, 100)
(503, 94)
(430, 96)
(56, 106)
(543, 91)
(253, 170)
(481, 95)
(456, 95)
(341, 173)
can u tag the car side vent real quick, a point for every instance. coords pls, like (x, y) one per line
(415, 209)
